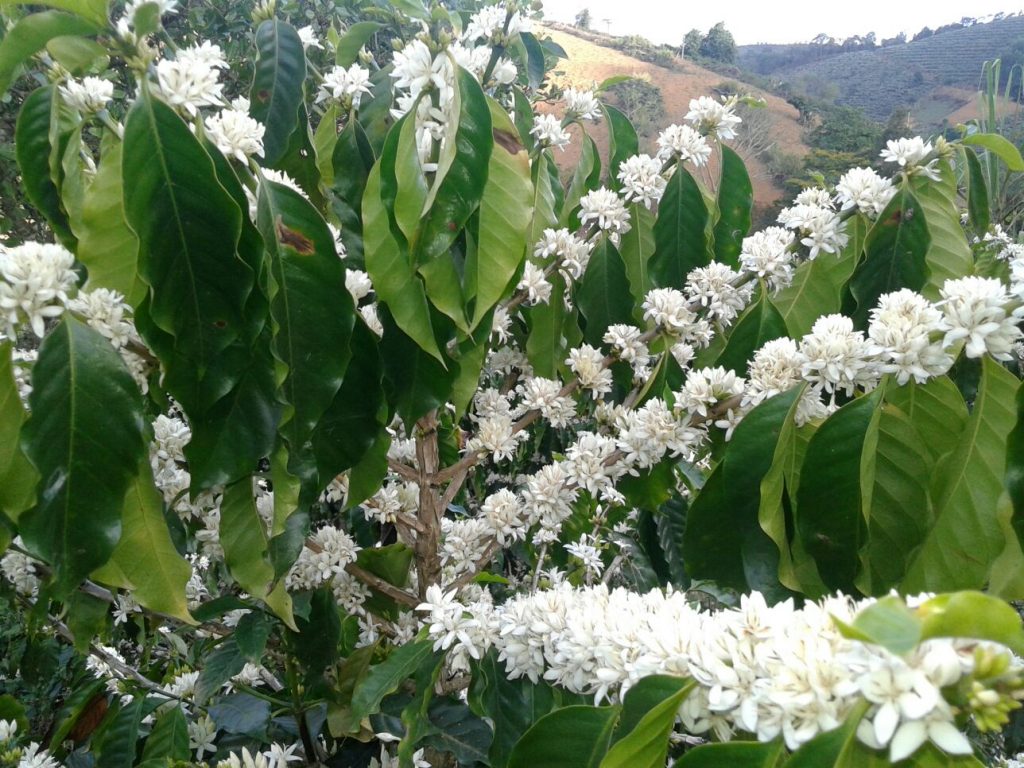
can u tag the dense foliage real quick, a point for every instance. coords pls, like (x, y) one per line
(337, 428)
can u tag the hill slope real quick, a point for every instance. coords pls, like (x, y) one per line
(882, 79)
(590, 63)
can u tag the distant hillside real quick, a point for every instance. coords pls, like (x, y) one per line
(589, 62)
(882, 79)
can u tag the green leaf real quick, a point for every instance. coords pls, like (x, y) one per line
(384, 678)
(571, 737)
(30, 34)
(636, 248)
(505, 216)
(188, 227)
(81, 390)
(830, 519)
(512, 706)
(413, 8)
(276, 93)
(623, 143)
(936, 409)
(735, 206)
(244, 539)
(416, 383)
(15, 471)
(998, 146)
(313, 312)
(648, 715)
(350, 425)
(462, 171)
(87, 618)
(394, 279)
(896, 246)
(738, 754)
(680, 240)
(545, 345)
(219, 665)
(356, 36)
(352, 671)
(977, 193)
(543, 202)
(390, 563)
(242, 713)
(352, 160)
(106, 244)
(145, 560)
(459, 731)
(603, 295)
(77, 54)
(33, 147)
(94, 11)
(972, 615)
(299, 160)
(949, 254)
(817, 287)
(120, 737)
(585, 178)
(535, 69)
(724, 540)
(760, 323)
(896, 504)
(888, 623)
(251, 634)
(966, 486)
(169, 738)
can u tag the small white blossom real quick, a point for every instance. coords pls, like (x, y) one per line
(684, 143)
(236, 134)
(88, 96)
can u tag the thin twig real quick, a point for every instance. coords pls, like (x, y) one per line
(375, 582)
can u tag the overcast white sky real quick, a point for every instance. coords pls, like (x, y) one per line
(765, 21)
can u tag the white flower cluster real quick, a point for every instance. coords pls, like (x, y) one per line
(345, 85)
(641, 179)
(191, 79)
(35, 279)
(714, 118)
(683, 143)
(88, 95)
(571, 253)
(768, 670)
(819, 226)
(910, 155)
(865, 190)
(236, 134)
(548, 130)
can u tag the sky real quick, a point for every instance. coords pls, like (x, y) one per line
(765, 21)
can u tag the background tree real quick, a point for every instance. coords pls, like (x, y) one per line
(719, 44)
(582, 20)
(691, 43)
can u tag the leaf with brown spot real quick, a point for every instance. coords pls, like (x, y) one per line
(294, 239)
(507, 141)
(90, 719)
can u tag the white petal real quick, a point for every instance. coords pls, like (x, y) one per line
(948, 738)
(886, 720)
(908, 738)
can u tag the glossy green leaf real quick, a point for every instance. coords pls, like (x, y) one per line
(603, 295)
(585, 178)
(87, 618)
(999, 146)
(760, 323)
(895, 502)
(546, 345)
(351, 160)
(384, 678)
(15, 470)
(972, 615)
(623, 143)
(30, 35)
(724, 540)
(949, 254)
(505, 217)
(356, 36)
(394, 279)
(888, 623)
(313, 313)
(145, 560)
(535, 69)
(299, 160)
(315, 645)
(120, 737)
(242, 713)
(188, 228)
(413, 8)
(169, 737)
(571, 737)
(219, 666)
(459, 731)
(680, 239)
(33, 148)
(648, 716)
(936, 409)
(966, 486)
(735, 207)
(462, 172)
(81, 389)
(636, 247)
(276, 93)
(830, 521)
(977, 193)
(351, 672)
(738, 754)
(543, 202)
(106, 244)
(94, 11)
(896, 246)
(77, 54)
(415, 382)
(244, 539)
